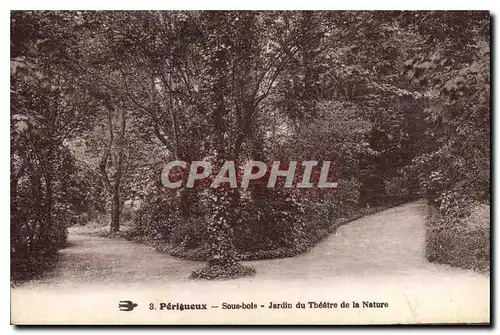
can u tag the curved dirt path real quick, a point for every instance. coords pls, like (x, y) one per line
(380, 256)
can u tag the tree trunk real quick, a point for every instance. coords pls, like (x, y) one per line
(220, 228)
(115, 212)
(221, 232)
(48, 208)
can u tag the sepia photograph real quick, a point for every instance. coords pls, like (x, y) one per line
(250, 167)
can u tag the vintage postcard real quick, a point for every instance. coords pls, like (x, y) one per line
(250, 167)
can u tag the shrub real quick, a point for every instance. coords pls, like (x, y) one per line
(156, 219)
(269, 219)
(34, 239)
(214, 270)
(396, 186)
(269, 222)
(32, 252)
(324, 211)
(462, 242)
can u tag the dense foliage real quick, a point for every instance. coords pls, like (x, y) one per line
(454, 169)
(101, 100)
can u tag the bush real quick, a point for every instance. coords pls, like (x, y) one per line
(214, 270)
(32, 253)
(34, 243)
(47, 195)
(462, 243)
(269, 219)
(396, 186)
(325, 211)
(156, 219)
(271, 223)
